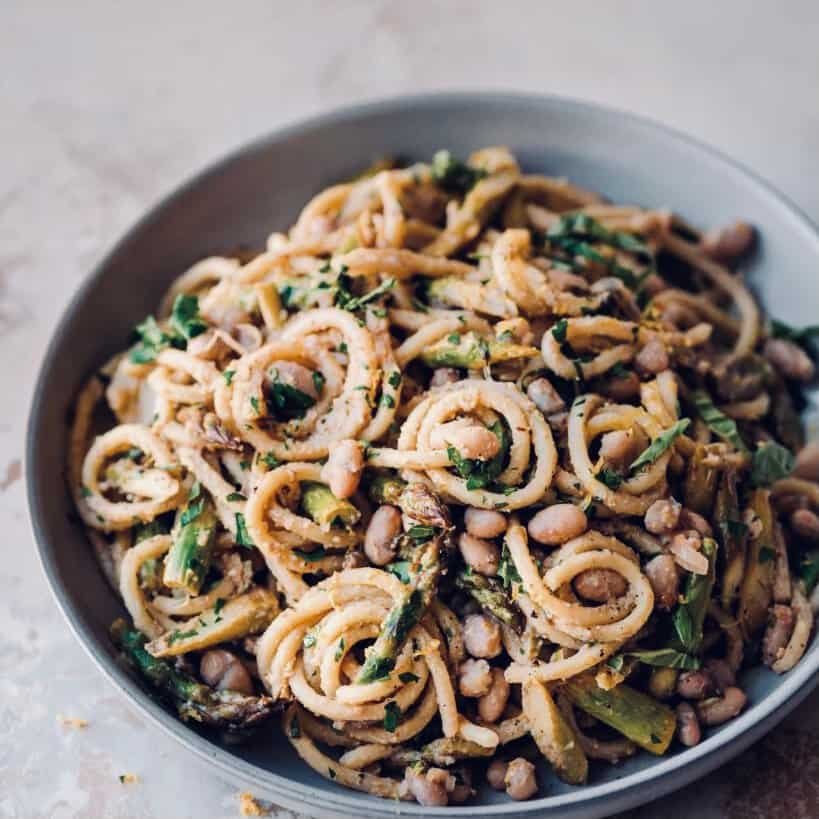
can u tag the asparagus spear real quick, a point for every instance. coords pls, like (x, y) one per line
(188, 560)
(637, 716)
(553, 735)
(734, 531)
(474, 296)
(700, 483)
(195, 701)
(324, 507)
(756, 591)
(472, 352)
(386, 489)
(689, 616)
(490, 595)
(444, 752)
(428, 525)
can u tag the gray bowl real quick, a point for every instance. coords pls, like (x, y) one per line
(261, 187)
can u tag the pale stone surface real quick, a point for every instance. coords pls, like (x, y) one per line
(106, 106)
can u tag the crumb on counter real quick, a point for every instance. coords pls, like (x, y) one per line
(72, 722)
(250, 807)
(128, 779)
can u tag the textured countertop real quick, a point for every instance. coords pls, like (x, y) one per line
(105, 106)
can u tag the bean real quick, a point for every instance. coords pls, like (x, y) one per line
(622, 446)
(379, 545)
(430, 788)
(223, 670)
(695, 521)
(622, 387)
(599, 585)
(652, 359)
(520, 779)
(545, 397)
(781, 621)
(474, 678)
(443, 376)
(492, 704)
(789, 358)
(496, 774)
(462, 789)
(343, 469)
(472, 441)
(728, 243)
(695, 685)
(662, 516)
(484, 522)
(805, 523)
(807, 462)
(354, 559)
(717, 710)
(294, 375)
(558, 523)
(721, 672)
(481, 555)
(688, 726)
(482, 636)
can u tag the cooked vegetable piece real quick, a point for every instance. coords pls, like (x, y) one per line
(733, 536)
(473, 352)
(325, 508)
(188, 559)
(490, 595)
(689, 616)
(756, 590)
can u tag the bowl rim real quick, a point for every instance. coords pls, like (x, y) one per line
(664, 776)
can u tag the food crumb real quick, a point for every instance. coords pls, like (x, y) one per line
(72, 722)
(250, 807)
(128, 779)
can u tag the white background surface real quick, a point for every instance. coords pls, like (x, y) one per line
(105, 106)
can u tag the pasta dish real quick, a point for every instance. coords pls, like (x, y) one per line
(470, 474)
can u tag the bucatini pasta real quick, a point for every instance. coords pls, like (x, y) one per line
(470, 471)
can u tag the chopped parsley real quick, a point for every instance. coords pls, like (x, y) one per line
(392, 715)
(771, 462)
(242, 536)
(185, 318)
(452, 174)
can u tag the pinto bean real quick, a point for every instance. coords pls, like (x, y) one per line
(558, 523)
(622, 387)
(481, 555)
(443, 376)
(545, 397)
(484, 523)
(599, 585)
(652, 359)
(662, 516)
(343, 469)
(664, 577)
(789, 358)
(622, 446)
(807, 462)
(520, 779)
(429, 788)
(728, 243)
(781, 621)
(805, 523)
(385, 524)
(474, 678)
(223, 670)
(721, 672)
(492, 704)
(695, 521)
(294, 375)
(482, 636)
(695, 685)
(716, 710)
(496, 774)
(688, 726)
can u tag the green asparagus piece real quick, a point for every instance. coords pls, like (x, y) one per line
(689, 616)
(386, 489)
(473, 352)
(637, 716)
(444, 751)
(756, 590)
(188, 560)
(490, 595)
(734, 536)
(325, 508)
(195, 701)
(150, 575)
(148, 530)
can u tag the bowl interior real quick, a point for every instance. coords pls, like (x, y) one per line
(238, 202)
